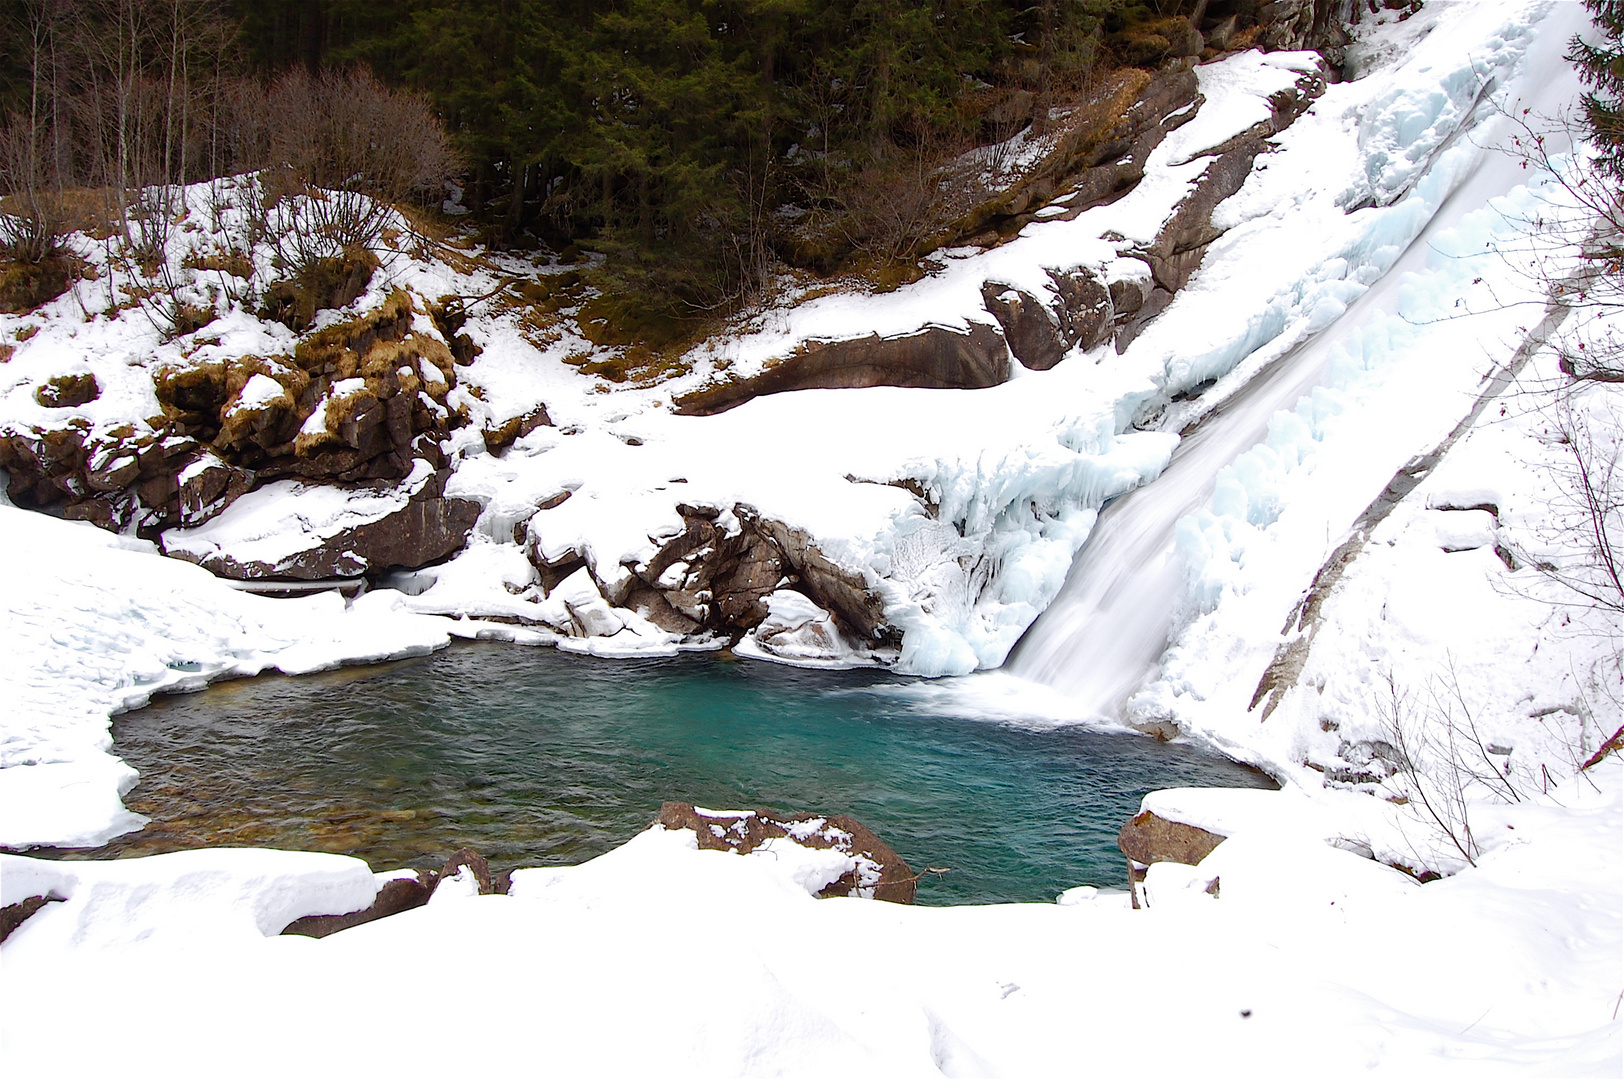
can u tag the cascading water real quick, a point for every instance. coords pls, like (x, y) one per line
(1104, 634)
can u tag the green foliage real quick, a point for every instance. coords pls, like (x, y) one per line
(668, 132)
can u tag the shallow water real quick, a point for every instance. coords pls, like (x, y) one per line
(535, 757)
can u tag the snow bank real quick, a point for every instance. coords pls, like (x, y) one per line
(658, 958)
(96, 623)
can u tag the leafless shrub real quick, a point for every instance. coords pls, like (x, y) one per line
(894, 204)
(1436, 766)
(32, 228)
(1589, 346)
(348, 146)
(1581, 547)
(346, 131)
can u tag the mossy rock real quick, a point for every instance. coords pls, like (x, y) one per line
(67, 391)
(332, 282)
(25, 286)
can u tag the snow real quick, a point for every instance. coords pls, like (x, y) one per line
(258, 392)
(1308, 953)
(183, 899)
(799, 633)
(1014, 474)
(1298, 940)
(1237, 94)
(279, 520)
(97, 623)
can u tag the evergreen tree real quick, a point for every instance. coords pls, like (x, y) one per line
(1601, 67)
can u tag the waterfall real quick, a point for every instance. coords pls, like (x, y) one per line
(1104, 634)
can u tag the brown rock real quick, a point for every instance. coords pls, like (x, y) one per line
(897, 883)
(517, 427)
(835, 588)
(1085, 308)
(1184, 237)
(324, 283)
(427, 529)
(1033, 332)
(473, 860)
(14, 915)
(936, 357)
(1150, 839)
(653, 606)
(401, 894)
(66, 391)
(207, 487)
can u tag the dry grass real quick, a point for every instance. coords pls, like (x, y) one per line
(235, 263)
(637, 365)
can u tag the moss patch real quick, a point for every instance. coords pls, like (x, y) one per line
(25, 286)
(333, 282)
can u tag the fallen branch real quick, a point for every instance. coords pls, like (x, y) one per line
(1611, 746)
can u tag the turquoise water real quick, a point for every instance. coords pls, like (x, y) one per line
(534, 757)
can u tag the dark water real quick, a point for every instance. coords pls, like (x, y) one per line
(534, 757)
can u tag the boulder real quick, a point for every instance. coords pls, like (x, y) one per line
(427, 529)
(716, 578)
(66, 391)
(359, 401)
(504, 434)
(332, 282)
(842, 591)
(796, 629)
(935, 357)
(14, 915)
(401, 894)
(881, 874)
(475, 863)
(397, 895)
(1083, 306)
(1151, 839)
(590, 614)
(206, 486)
(1030, 327)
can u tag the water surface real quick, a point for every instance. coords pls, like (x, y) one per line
(535, 757)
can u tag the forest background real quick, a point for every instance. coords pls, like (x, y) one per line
(700, 146)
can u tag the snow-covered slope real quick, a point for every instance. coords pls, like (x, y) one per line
(1291, 947)
(962, 510)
